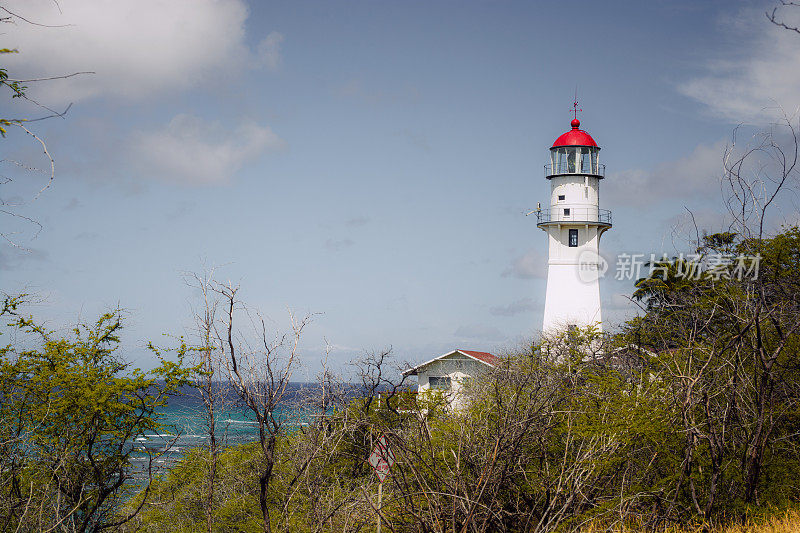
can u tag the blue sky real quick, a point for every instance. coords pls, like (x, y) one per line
(371, 162)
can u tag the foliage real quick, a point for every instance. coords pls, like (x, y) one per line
(688, 415)
(177, 498)
(17, 90)
(70, 410)
(729, 356)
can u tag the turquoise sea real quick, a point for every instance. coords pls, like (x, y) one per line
(185, 427)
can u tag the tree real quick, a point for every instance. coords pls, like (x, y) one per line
(209, 385)
(260, 375)
(71, 409)
(776, 19)
(729, 337)
(19, 92)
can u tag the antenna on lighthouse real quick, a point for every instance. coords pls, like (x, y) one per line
(575, 104)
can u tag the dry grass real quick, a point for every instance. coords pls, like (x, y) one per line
(787, 522)
(783, 522)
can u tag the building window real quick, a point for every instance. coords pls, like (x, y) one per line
(561, 197)
(441, 383)
(566, 212)
(573, 238)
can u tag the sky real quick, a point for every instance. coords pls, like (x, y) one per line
(370, 163)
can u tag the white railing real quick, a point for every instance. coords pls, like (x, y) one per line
(592, 215)
(570, 168)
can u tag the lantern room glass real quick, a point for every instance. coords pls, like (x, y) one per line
(588, 159)
(575, 159)
(564, 159)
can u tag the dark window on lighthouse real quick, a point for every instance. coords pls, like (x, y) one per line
(573, 238)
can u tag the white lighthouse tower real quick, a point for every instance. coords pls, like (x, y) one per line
(574, 223)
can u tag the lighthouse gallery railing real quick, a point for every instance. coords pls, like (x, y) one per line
(570, 168)
(573, 215)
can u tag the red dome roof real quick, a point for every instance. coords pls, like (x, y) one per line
(575, 137)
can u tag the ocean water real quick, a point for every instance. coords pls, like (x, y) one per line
(185, 427)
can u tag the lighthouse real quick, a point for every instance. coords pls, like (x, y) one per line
(574, 223)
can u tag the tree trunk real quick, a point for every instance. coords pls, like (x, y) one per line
(755, 450)
(212, 476)
(264, 479)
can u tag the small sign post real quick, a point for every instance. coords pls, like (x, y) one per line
(381, 460)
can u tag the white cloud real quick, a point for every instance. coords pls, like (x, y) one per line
(268, 51)
(761, 74)
(695, 176)
(528, 266)
(137, 48)
(194, 151)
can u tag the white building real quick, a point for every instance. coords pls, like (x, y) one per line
(448, 372)
(574, 223)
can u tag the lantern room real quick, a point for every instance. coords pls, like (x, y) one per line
(574, 152)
